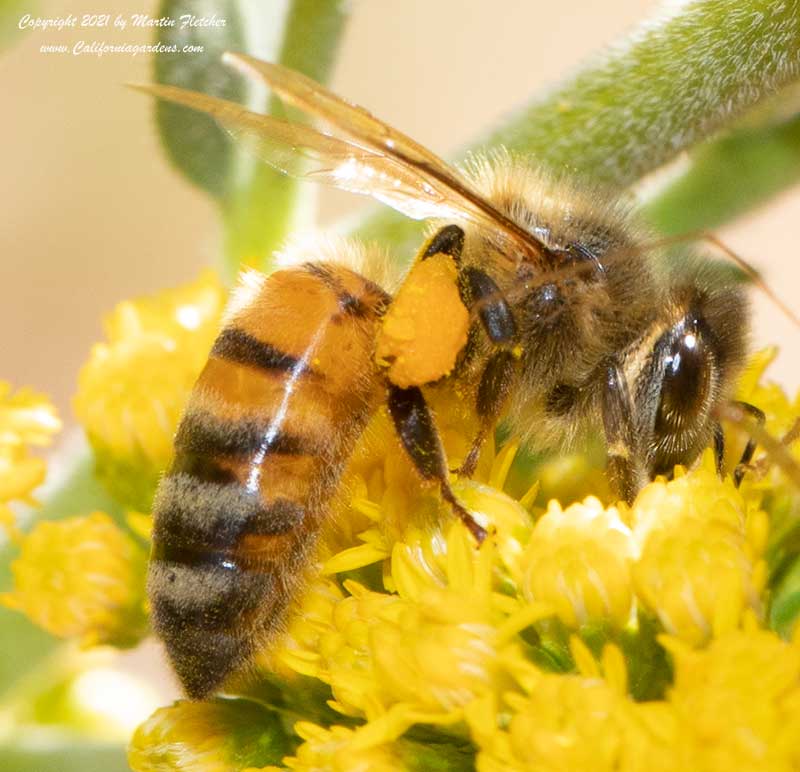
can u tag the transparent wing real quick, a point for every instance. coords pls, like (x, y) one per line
(303, 152)
(368, 132)
(361, 154)
(359, 124)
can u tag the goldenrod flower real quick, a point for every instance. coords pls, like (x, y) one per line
(26, 419)
(569, 723)
(436, 651)
(738, 702)
(216, 736)
(419, 655)
(81, 577)
(133, 389)
(781, 412)
(701, 544)
(579, 561)
(509, 520)
(300, 649)
(411, 647)
(337, 750)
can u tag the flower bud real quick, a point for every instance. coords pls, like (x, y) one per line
(578, 560)
(133, 389)
(81, 577)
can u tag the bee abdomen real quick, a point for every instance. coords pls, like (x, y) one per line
(288, 388)
(216, 580)
(202, 434)
(217, 516)
(207, 614)
(237, 345)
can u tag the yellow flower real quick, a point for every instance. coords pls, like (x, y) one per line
(423, 634)
(701, 543)
(216, 736)
(133, 389)
(329, 640)
(570, 723)
(336, 750)
(81, 577)
(738, 702)
(579, 561)
(417, 656)
(506, 518)
(26, 419)
(299, 650)
(781, 411)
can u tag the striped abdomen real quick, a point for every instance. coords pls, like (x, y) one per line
(288, 388)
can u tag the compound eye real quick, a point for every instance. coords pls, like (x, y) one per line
(687, 381)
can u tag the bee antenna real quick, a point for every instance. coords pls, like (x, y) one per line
(750, 271)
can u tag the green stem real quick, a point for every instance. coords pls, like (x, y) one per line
(262, 210)
(729, 177)
(675, 81)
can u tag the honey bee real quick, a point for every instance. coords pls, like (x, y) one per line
(566, 330)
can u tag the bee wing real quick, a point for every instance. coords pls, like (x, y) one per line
(303, 152)
(359, 124)
(436, 178)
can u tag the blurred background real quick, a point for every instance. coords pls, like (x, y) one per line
(93, 213)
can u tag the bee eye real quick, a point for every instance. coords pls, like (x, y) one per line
(687, 379)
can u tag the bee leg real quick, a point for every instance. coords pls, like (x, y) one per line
(750, 448)
(624, 466)
(496, 383)
(417, 431)
(446, 241)
(719, 448)
(480, 292)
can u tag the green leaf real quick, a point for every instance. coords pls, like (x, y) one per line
(433, 753)
(675, 81)
(256, 735)
(313, 31)
(195, 144)
(263, 209)
(258, 204)
(785, 607)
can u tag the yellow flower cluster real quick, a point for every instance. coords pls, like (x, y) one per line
(336, 749)
(214, 736)
(579, 560)
(456, 640)
(576, 722)
(81, 577)
(701, 565)
(415, 656)
(582, 635)
(27, 419)
(736, 704)
(134, 387)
